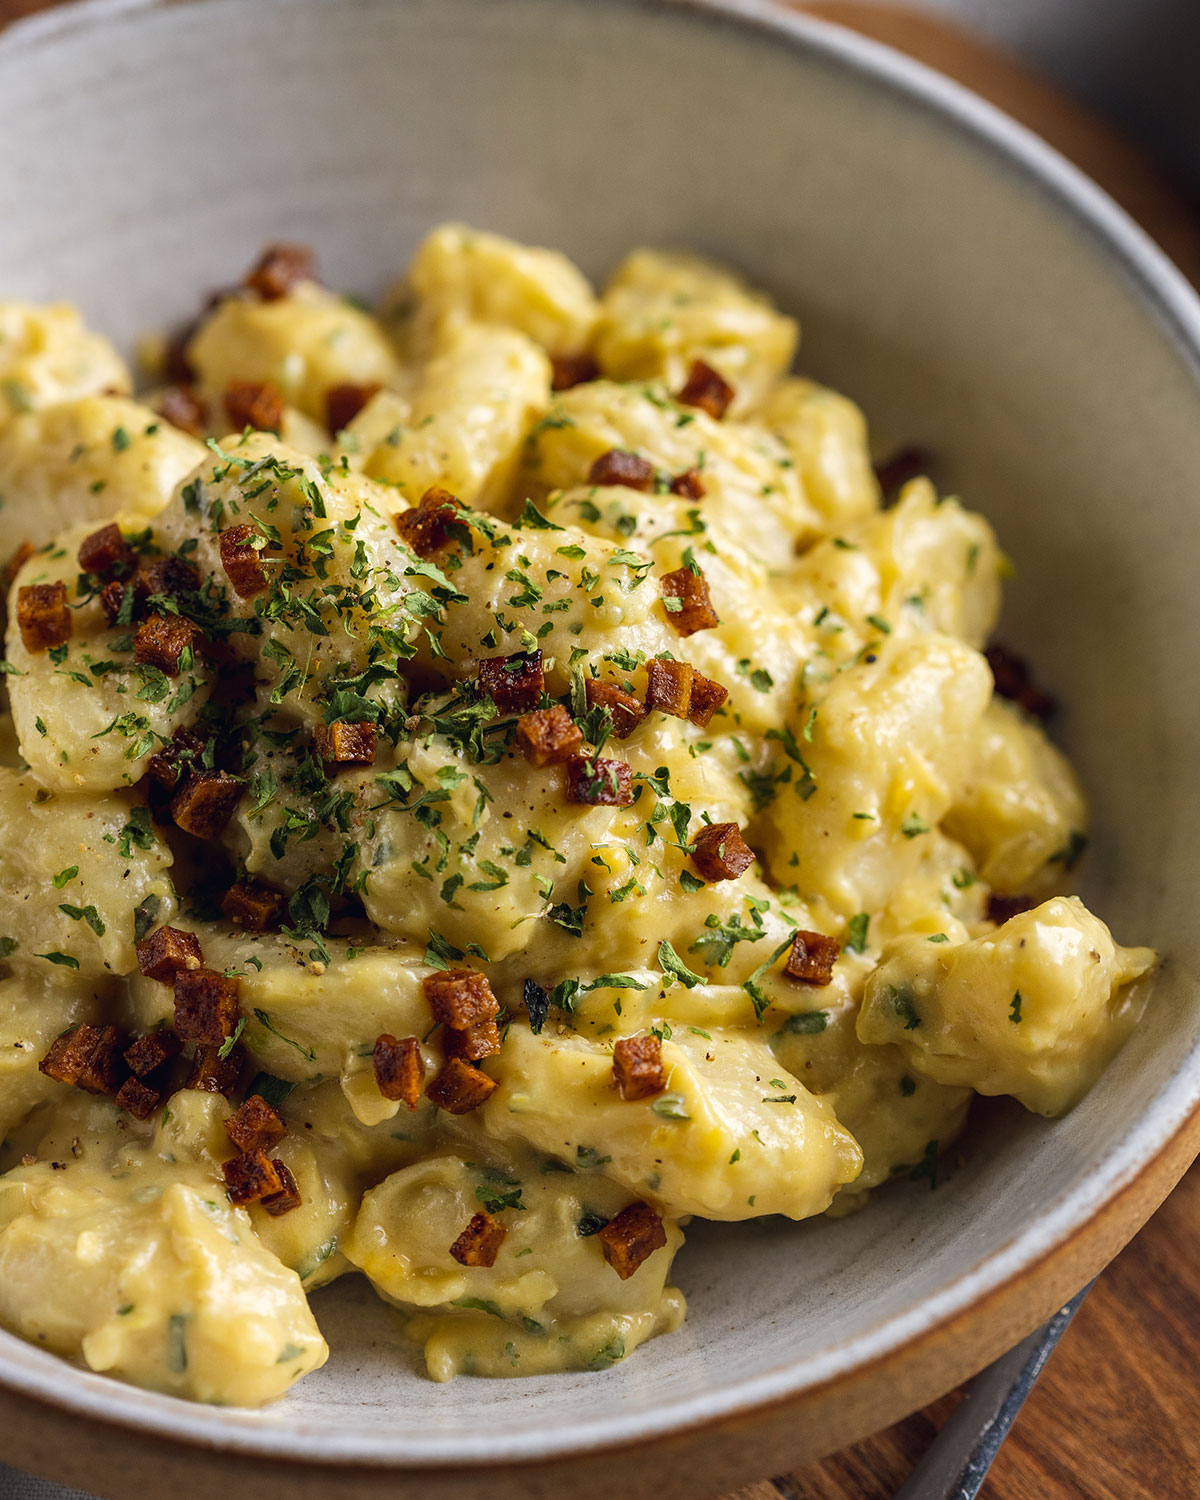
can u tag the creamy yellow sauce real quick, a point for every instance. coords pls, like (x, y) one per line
(884, 789)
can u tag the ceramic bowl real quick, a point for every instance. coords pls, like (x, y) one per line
(976, 295)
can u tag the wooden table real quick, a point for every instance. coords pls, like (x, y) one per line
(1116, 1415)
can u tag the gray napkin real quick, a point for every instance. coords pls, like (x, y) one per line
(14, 1486)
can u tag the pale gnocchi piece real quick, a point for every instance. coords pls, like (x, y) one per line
(305, 344)
(1021, 811)
(728, 1139)
(35, 1007)
(461, 275)
(47, 355)
(826, 435)
(1035, 1009)
(88, 458)
(549, 1300)
(662, 310)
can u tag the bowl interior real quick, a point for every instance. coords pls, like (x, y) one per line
(966, 289)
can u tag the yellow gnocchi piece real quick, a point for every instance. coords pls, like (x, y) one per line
(47, 355)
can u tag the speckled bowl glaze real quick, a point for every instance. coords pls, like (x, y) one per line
(974, 293)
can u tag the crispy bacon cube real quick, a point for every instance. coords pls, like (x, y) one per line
(707, 389)
(720, 852)
(1001, 908)
(288, 1197)
(626, 710)
(687, 601)
(345, 743)
(254, 907)
(812, 958)
(254, 403)
(638, 1067)
(214, 1074)
(1013, 681)
(206, 1006)
(460, 1087)
(168, 575)
(513, 683)
(689, 484)
(255, 1126)
(344, 402)
(112, 597)
(279, 270)
(87, 1057)
(627, 469)
(137, 1098)
(151, 1052)
(669, 687)
(163, 641)
(183, 408)
(175, 759)
(168, 952)
(568, 370)
(548, 735)
(251, 1177)
(399, 1068)
(205, 802)
(894, 472)
(425, 528)
(480, 1241)
(632, 1237)
(471, 1042)
(105, 551)
(460, 997)
(707, 697)
(593, 782)
(242, 560)
(43, 616)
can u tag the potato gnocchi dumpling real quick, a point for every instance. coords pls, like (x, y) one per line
(488, 781)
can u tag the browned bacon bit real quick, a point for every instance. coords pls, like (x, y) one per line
(707, 697)
(168, 575)
(255, 1126)
(206, 1006)
(288, 1197)
(592, 782)
(183, 408)
(688, 603)
(460, 1087)
(205, 802)
(471, 1042)
(279, 270)
(1011, 674)
(893, 473)
(112, 597)
(345, 743)
(812, 958)
(87, 1057)
(548, 735)
(460, 997)
(163, 641)
(619, 467)
(689, 484)
(181, 752)
(151, 1052)
(399, 1068)
(105, 551)
(638, 1067)
(242, 560)
(513, 683)
(251, 1177)
(176, 365)
(720, 852)
(168, 952)
(214, 1074)
(426, 528)
(137, 1098)
(254, 403)
(707, 389)
(569, 370)
(669, 687)
(480, 1241)
(344, 402)
(626, 710)
(43, 616)
(1001, 908)
(253, 907)
(632, 1237)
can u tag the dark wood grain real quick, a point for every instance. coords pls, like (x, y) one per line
(1116, 1415)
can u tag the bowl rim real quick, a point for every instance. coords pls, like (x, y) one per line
(1160, 1133)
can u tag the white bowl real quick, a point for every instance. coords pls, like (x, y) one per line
(974, 293)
